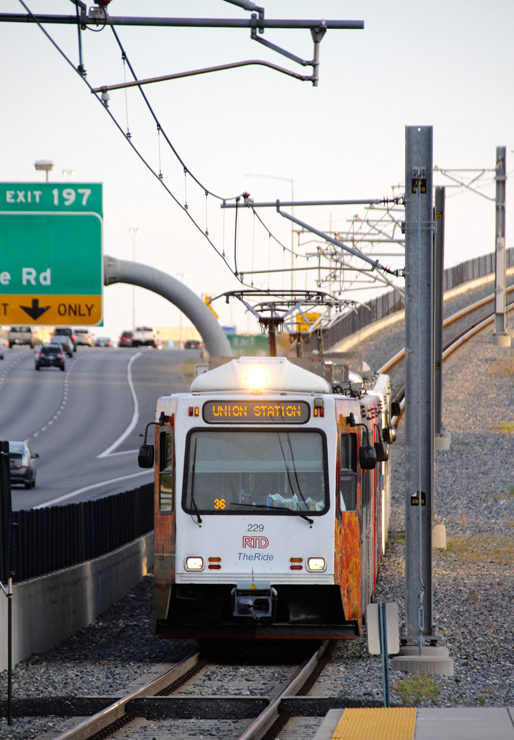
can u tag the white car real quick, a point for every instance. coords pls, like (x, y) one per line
(84, 337)
(144, 336)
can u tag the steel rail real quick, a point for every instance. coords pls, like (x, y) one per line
(447, 322)
(267, 718)
(115, 711)
(451, 345)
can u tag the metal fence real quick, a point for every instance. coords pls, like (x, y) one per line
(391, 302)
(45, 540)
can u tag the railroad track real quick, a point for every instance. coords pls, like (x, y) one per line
(452, 344)
(265, 716)
(172, 696)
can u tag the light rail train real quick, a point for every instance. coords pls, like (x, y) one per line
(272, 500)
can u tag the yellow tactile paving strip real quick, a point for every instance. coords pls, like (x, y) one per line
(376, 724)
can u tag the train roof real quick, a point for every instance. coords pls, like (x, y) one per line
(260, 373)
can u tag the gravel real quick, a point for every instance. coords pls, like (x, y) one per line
(473, 578)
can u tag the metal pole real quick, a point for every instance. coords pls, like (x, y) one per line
(501, 335)
(438, 308)
(133, 230)
(419, 362)
(382, 625)
(9, 650)
(109, 20)
(181, 276)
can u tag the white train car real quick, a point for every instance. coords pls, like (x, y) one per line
(271, 507)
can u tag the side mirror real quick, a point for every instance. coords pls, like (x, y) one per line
(389, 434)
(367, 457)
(382, 451)
(35, 454)
(146, 456)
(395, 408)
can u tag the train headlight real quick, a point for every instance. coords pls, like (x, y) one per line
(194, 563)
(316, 564)
(256, 378)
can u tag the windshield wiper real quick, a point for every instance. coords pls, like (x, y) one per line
(287, 467)
(276, 509)
(198, 517)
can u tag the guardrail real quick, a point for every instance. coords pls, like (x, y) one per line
(391, 302)
(57, 537)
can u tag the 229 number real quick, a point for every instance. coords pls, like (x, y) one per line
(255, 528)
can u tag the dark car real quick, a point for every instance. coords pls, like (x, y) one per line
(23, 464)
(50, 355)
(103, 342)
(65, 342)
(193, 344)
(125, 339)
(65, 331)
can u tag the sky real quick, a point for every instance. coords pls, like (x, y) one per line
(446, 64)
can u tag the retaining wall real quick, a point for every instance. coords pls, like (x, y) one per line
(48, 609)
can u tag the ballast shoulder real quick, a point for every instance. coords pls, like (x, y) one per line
(260, 373)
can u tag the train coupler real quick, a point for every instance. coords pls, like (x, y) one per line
(255, 600)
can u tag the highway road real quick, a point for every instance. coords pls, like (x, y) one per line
(86, 423)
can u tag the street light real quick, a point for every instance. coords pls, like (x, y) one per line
(287, 179)
(134, 231)
(181, 276)
(46, 165)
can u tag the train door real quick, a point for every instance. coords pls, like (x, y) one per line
(368, 478)
(348, 525)
(164, 521)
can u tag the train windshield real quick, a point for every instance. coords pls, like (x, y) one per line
(233, 472)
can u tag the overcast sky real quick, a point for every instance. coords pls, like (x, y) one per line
(447, 63)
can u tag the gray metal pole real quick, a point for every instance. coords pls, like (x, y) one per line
(419, 363)
(438, 308)
(135, 273)
(501, 335)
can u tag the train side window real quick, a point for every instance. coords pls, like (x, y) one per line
(348, 473)
(166, 472)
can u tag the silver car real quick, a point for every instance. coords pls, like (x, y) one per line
(22, 464)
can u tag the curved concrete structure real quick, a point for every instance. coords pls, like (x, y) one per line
(135, 273)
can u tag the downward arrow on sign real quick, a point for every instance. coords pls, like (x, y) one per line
(35, 311)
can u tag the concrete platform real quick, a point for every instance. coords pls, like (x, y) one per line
(460, 723)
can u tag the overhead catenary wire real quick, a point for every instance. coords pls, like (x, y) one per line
(159, 175)
(131, 143)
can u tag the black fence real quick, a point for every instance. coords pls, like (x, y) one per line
(391, 302)
(45, 540)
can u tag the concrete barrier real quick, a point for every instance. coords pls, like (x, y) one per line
(48, 609)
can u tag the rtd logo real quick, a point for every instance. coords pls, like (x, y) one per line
(255, 543)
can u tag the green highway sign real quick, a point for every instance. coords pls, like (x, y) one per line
(51, 253)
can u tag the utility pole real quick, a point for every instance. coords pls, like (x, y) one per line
(419, 410)
(419, 361)
(501, 335)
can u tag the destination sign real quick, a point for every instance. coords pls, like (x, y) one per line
(256, 412)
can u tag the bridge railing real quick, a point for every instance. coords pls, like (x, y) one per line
(57, 537)
(391, 302)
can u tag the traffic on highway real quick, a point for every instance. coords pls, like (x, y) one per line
(84, 425)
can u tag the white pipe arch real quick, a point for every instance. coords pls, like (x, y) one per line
(135, 273)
